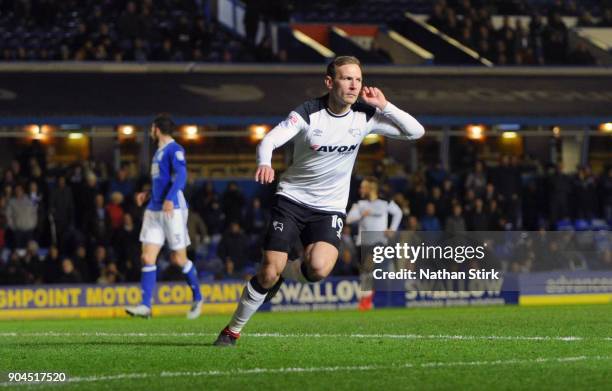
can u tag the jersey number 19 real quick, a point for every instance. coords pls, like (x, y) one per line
(337, 223)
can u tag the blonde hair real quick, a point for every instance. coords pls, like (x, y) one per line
(116, 197)
(340, 61)
(373, 183)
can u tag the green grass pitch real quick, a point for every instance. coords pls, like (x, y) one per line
(488, 348)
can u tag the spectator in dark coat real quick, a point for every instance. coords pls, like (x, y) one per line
(99, 221)
(127, 246)
(478, 220)
(256, 218)
(122, 184)
(430, 222)
(585, 195)
(606, 194)
(234, 249)
(477, 179)
(81, 263)
(69, 274)
(559, 190)
(214, 218)
(61, 208)
(232, 202)
(89, 193)
(52, 265)
(455, 223)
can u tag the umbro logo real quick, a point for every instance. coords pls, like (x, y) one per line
(277, 226)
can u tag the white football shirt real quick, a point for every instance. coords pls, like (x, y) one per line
(373, 217)
(325, 148)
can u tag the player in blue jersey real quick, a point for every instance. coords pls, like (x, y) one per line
(165, 219)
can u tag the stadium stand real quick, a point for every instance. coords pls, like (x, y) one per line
(537, 33)
(79, 223)
(118, 31)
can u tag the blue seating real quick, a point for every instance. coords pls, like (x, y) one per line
(582, 225)
(564, 225)
(204, 275)
(43, 252)
(600, 225)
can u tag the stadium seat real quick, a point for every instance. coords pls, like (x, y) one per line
(582, 225)
(564, 225)
(251, 270)
(599, 225)
(42, 252)
(204, 275)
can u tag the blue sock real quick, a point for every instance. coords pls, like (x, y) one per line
(191, 276)
(148, 276)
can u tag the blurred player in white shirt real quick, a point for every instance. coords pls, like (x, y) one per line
(372, 213)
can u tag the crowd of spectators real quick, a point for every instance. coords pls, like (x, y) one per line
(118, 30)
(576, 8)
(514, 194)
(62, 225)
(79, 223)
(543, 40)
(173, 30)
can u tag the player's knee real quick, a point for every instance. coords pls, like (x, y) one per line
(317, 273)
(178, 259)
(147, 259)
(319, 266)
(267, 276)
(316, 269)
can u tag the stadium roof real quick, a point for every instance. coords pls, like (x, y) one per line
(107, 94)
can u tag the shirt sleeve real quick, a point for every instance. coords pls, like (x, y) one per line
(179, 170)
(395, 123)
(278, 136)
(354, 214)
(396, 215)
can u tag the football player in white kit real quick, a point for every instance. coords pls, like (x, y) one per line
(312, 194)
(372, 213)
(165, 219)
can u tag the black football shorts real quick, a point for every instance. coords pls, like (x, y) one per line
(290, 220)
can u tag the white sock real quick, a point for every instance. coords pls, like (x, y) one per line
(365, 294)
(293, 271)
(250, 301)
(366, 282)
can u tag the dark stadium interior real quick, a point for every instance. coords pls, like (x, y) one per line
(436, 213)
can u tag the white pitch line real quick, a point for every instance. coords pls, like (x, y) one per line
(256, 371)
(310, 335)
